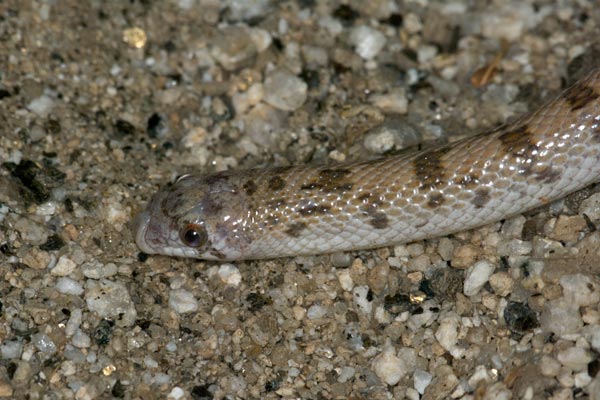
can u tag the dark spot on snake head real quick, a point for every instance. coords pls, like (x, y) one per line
(379, 220)
(275, 183)
(482, 197)
(216, 253)
(295, 229)
(429, 168)
(216, 177)
(210, 206)
(280, 170)
(250, 187)
(579, 95)
(435, 200)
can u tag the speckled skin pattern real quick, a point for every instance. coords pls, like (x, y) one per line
(276, 212)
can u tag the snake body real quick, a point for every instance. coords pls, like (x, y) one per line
(301, 210)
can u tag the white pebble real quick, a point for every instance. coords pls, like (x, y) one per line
(388, 367)
(41, 105)
(68, 286)
(360, 299)
(421, 380)
(316, 311)
(579, 289)
(345, 279)
(367, 41)
(81, 339)
(447, 332)
(110, 300)
(284, 90)
(176, 393)
(575, 358)
(11, 349)
(230, 274)
(43, 343)
(96, 270)
(560, 317)
(182, 301)
(477, 276)
(63, 267)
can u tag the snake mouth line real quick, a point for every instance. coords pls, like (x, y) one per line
(139, 228)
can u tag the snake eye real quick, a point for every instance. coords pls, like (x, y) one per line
(193, 235)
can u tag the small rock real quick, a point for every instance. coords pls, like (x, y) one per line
(5, 389)
(42, 106)
(316, 311)
(234, 48)
(68, 286)
(182, 301)
(561, 317)
(464, 256)
(43, 343)
(575, 358)
(96, 270)
(519, 317)
(388, 367)
(549, 366)
(345, 279)
(591, 207)
(393, 102)
(377, 278)
(447, 332)
(501, 283)
(284, 90)
(477, 276)
(362, 299)
(568, 228)
(110, 300)
(368, 42)
(81, 339)
(579, 290)
(63, 267)
(230, 275)
(11, 349)
(421, 380)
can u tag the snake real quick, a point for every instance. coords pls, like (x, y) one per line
(272, 212)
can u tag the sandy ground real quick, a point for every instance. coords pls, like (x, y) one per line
(102, 103)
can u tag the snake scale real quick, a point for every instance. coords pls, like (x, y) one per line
(302, 210)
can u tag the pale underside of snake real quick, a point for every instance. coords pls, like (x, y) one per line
(303, 210)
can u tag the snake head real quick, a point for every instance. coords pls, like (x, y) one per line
(198, 216)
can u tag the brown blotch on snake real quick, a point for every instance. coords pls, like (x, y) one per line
(295, 229)
(468, 181)
(429, 168)
(314, 209)
(482, 197)
(580, 95)
(379, 221)
(547, 174)
(435, 200)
